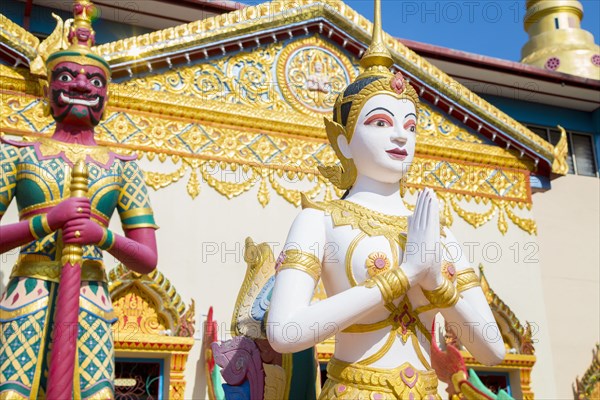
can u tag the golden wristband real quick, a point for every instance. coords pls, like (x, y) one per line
(392, 284)
(108, 240)
(39, 227)
(466, 279)
(443, 296)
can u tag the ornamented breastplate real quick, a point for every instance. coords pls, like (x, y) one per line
(38, 174)
(403, 321)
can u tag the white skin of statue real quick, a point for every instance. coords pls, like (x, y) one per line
(385, 124)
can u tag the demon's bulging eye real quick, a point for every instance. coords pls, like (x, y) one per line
(97, 82)
(65, 77)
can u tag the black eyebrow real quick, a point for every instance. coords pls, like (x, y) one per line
(97, 74)
(58, 71)
(409, 114)
(381, 108)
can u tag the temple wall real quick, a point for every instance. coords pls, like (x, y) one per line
(568, 219)
(201, 245)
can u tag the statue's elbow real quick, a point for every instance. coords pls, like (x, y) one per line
(278, 344)
(282, 344)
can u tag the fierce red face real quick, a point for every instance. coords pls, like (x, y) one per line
(77, 93)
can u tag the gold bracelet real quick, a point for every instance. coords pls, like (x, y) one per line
(392, 284)
(307, 262)
(466, 279)
(443, 296)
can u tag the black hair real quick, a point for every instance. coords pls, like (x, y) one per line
(352, 89)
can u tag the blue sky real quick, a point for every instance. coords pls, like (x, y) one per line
(491, 28)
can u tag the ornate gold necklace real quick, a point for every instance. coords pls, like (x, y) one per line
(371, 222)
(73, 152)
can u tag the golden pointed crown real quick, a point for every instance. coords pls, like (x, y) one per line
(80, 39)
(377, 60)
(376, 78)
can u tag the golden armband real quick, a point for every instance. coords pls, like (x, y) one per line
(392, 284)
(443, 296)
(466, 279)
(307, 262)
(39, 227)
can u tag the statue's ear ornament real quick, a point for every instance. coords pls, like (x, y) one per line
(342, 176)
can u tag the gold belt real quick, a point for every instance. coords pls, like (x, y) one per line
(91, 270)
(356, 381)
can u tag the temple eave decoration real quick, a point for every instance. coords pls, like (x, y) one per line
(153, 321)
(194, 40)
(213, 113)
(588, 386)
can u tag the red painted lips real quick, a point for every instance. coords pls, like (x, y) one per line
(398, 154)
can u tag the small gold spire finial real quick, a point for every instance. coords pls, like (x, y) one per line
(79, 179)
(377, 56)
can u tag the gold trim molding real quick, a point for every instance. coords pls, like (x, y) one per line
(281, 13)
(213, 143)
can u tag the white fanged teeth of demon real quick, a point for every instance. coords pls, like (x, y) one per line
(80, 102)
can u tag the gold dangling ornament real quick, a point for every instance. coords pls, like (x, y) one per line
(342, 176)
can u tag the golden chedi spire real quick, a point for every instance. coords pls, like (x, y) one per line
(556, 40)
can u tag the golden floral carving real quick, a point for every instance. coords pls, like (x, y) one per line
(312, 73)
(222, 147)
(376, 263)
(270, 15)
(136, 314)
(243, 78)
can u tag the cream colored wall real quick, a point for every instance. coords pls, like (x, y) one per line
(568, 219)
(201, 245)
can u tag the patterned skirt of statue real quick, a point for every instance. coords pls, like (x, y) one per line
(358, 382)
(26, 319)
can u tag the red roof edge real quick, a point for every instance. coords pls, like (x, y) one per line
(497, 64)
(225, 5)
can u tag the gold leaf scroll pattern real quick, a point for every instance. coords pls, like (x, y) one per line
(311, 73)
(243, 78)
(137, 314)
(232, 180)
(435, 124)
(194, 145)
